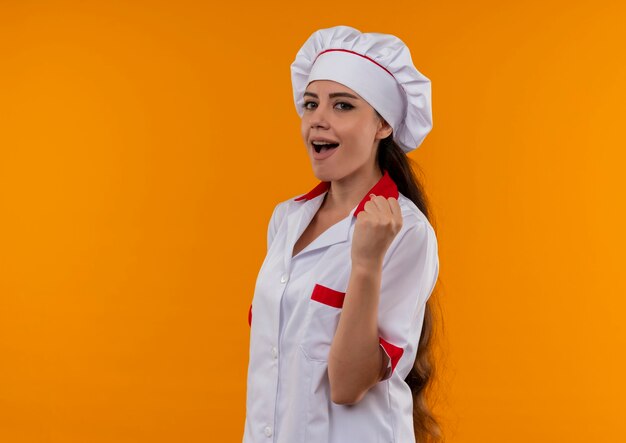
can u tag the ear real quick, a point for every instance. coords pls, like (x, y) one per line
(384, 129)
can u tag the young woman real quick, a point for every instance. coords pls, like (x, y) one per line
(340, 317)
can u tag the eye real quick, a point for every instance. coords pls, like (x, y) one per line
(346, 106)
(306, 104)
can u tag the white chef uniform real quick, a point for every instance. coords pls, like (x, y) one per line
(294, 314)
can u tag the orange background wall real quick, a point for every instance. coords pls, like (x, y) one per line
(144, 145)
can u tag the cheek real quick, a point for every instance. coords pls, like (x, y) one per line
(357, 135)
(303, 130)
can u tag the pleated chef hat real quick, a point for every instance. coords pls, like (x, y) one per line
(376, 66)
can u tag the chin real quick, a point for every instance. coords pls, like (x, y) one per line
(322, 174)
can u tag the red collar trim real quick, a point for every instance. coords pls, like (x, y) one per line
(318, 190)
(385, 187)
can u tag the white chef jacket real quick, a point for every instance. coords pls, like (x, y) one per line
(294, 314)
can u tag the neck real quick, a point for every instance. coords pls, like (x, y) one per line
(344, 194)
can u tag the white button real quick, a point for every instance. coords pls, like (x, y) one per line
(268, 431)
(274, 352)
(284, 278)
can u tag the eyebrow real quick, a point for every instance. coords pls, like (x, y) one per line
(333, 95)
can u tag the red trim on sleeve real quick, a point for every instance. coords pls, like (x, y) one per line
(250, 316)
(328, 296)
(392, 351)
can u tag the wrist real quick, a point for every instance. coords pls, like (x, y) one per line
(367, 266)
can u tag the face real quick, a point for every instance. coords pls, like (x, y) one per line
(334, 113)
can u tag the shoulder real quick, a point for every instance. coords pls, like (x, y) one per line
(281, 210)
(412, 216)
(288, 206)
(416, 230)
(283, 207)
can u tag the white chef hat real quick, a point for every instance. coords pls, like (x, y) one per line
(376, 66)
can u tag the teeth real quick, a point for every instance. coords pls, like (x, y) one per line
(322, 143)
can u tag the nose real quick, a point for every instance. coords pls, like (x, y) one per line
(318, 118)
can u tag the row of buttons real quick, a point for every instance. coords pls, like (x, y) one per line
(283, 279)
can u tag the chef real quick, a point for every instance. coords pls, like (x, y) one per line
(338, 310)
